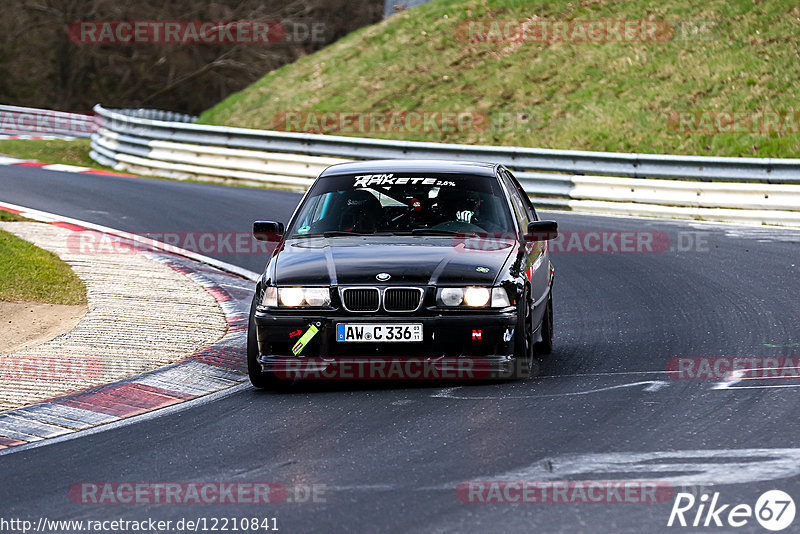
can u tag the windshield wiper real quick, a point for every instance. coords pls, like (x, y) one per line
(431, 231)
(332, 233)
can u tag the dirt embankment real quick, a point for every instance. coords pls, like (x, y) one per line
(26, 324)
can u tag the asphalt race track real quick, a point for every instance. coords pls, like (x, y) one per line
(390, 456)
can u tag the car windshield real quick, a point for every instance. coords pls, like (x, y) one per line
(396, 204)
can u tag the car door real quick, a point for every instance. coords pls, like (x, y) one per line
(537, 264)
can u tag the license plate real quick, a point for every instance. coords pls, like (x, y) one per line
(378, 333)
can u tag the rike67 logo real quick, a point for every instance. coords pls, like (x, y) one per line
(774, 510)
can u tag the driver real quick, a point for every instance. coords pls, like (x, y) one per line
(460, 205)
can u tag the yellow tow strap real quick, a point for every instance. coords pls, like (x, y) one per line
(304, 339)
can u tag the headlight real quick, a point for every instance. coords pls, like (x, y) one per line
(476, 297)
(291, 296)
(296, 297)
(473, 297)
(451, 296)
(318, 296)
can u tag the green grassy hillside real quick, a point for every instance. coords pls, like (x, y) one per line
(740, 56)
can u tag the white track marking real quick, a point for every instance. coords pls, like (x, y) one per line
(729, 383)
(706, 467)
(64, 168)
(652, 386)
(618, 373)
(5, 160)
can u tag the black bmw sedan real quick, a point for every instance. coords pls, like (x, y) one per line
(404, 269)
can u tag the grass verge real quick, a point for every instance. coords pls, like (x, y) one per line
(7, 216)
(30, 274)
(52, 151)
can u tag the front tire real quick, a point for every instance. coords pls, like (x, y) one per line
(258, 378)
(525, 365)
(545, 346)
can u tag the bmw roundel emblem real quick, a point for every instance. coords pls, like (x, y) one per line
(383, 276)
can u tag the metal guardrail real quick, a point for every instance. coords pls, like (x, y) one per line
(159, 115)
(22, 121)
(752, 190)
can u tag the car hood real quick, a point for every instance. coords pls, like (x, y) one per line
(411, 260)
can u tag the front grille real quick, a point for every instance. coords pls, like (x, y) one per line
(359, 299)
(402, 299)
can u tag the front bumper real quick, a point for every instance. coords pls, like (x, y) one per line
(469, 345)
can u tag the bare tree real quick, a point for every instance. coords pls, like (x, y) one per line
(43, 67)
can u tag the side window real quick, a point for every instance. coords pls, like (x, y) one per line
(525, 199)
(315, 211)
(520, 209)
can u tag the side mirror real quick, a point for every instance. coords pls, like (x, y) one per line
(268, 230)
(542, 230)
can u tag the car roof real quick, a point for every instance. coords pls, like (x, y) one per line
(383, 166)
